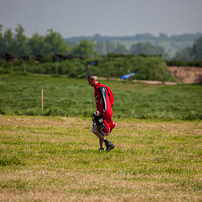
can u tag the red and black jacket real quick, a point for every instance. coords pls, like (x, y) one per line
(104, 98)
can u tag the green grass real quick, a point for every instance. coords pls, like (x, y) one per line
(21, 95)
(57, 159)
(53, 156)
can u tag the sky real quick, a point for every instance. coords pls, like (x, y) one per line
(105, 17)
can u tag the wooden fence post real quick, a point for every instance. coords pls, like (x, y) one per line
(42, 99)
(130, 76)
(165, 75)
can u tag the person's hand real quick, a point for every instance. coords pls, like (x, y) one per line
(98, 113)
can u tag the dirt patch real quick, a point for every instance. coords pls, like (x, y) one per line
(187, 75)
(155, 82)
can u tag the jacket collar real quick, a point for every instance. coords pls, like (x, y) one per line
(96, 85)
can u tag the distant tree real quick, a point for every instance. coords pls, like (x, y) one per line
(8, 42)
(197, 49)
(97, 37)
(146, 36)
(147, 49)
(85, 48)
(184, 55)
(120, 49)
(20, 42)
(109, 46)
(54, 43)
(185, 37)
(100, 47)
(37, 44)
(163, 36)
(71, 44)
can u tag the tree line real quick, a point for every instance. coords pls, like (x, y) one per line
(53, 43)
(146, 48)
(138, 37)
(190, 53)
(19, 45)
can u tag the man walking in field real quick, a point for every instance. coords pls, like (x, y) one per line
(102, 118)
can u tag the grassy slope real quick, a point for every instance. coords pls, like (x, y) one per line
(57, 159)
(63, 96)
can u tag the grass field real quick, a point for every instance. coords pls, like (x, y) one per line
(57, 159)
(21, 95)
(51, 155)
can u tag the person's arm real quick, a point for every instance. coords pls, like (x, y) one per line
(103, 96)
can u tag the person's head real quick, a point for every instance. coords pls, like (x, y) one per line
(92, 79)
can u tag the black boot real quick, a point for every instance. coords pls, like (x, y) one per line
(109, 146)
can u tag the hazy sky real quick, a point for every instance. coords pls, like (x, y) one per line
(104, 17)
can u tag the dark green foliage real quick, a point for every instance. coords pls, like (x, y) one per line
(85, 48)
(180, 63)
(176, 63)
(112, 65)
(197, 63)
(46, 59)
(20, 45)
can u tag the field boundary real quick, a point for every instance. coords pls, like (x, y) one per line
(142, 81)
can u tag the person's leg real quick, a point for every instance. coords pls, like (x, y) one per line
(102, 138)
(95, 130)
(102, 144)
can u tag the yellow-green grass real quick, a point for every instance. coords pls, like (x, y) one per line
(57, 159)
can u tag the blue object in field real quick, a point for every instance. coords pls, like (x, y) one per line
(92, 63)
(128, 75)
